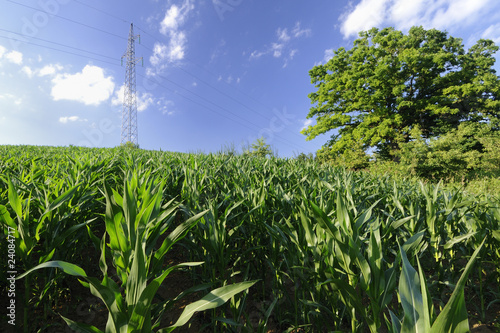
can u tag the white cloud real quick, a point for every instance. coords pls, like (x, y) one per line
(459, 12)
(49, 69)
(220, 50)
(282, 45)
(174, 18)
(165, 106)
(177, 46)
(329, 54)
(171, 19)
(65, 120)
(297, 31)
(402, 14)
(277, 49)
(306, 123)
(493, 33)
(90, 86)
(367, 14)
(174, 51)
(28, 71)
(160, 53)
(257, 54)
(283, 35)
(2, 51)
(144, 100)
(11, 98)
(14, 57)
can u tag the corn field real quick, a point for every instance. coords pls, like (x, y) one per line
(119, 240)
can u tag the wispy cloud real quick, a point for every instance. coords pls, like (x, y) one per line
(28, 71)
(281, 47)
(144, 100)
(47, 70)
(283, 35)
(11, 98)
(493, 33)
(165, 106)
(170, 26)
(175, 16)
(14, 57)
(90, 86)
(297, 31)
(66, 120)
(306, 124)
(402, 14)
(329, 54)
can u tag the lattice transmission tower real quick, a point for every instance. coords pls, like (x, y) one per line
(129, 113)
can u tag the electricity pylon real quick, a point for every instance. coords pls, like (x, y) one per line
(129, 113)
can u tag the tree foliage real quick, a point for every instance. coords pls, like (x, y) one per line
(259, 149)
(389, 83)
(473, 149)
(129, 145)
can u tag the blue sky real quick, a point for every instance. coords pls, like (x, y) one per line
(215, 73)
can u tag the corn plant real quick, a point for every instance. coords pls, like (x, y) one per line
(134, 223)
(323, 241)
(419, 314)
(43, 231)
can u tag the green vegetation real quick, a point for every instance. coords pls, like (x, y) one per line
(129, 145)
(283, 245)
(415, 104)
(259, 149)
(389, 87)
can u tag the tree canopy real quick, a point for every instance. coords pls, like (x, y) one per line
(388, 83)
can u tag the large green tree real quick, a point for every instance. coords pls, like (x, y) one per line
(375, 93)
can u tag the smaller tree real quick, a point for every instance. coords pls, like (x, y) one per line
(354, 158)
(129, 145)
(259, 149)
(305, 157)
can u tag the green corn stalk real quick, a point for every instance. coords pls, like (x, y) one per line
(417, 304)
(364, 261)
(134, 222)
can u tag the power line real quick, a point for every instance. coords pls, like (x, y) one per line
(59, 50)
(60, 44)
(220, 107)
(219, 91)
(67, 19)
(195, 76)
(102, 11)
(219, 113)
(118, 36)
(282, 140)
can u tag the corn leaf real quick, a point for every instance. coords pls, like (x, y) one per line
(81, 328)
(453, 318)
(411, 299)
(212, 300)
